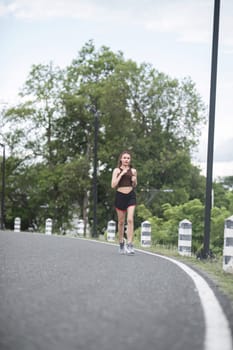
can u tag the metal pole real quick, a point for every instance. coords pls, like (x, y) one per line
(211, 129)
(3, 189)
(95, 194)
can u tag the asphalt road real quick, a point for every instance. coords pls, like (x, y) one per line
(59, 293)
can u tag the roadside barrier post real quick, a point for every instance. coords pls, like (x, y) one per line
(145, 234)
(228, 245)
(48, 226)
(80, 228)
(17, 225)
(185, 237)
(111, 231)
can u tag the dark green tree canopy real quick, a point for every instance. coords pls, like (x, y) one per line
(52, 131)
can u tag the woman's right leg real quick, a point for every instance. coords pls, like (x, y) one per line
(121, 224)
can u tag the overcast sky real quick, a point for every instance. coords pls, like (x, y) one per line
(175, 36)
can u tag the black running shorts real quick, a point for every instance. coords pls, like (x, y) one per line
(125, 200)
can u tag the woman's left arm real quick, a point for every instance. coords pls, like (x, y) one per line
(134, 177)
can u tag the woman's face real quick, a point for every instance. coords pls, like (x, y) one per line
(125, 159)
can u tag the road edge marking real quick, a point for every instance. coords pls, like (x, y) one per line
(217, 329)
(218, 332)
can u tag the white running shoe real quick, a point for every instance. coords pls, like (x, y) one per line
(132, 249)
(129, 249)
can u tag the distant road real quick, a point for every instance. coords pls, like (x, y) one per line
(60, 293)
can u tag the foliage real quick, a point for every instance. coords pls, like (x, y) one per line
(50, 142)
(165, 230)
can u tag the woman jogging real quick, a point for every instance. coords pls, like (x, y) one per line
(124, 179)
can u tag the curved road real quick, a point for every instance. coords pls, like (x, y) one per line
(60, 293)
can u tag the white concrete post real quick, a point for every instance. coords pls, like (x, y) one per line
(185, 237)
(80, 229)
(228, 245)
(17, 225)
(48, 226)
(145, 234)
(111, 231)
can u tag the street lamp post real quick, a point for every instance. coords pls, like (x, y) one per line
(95, 167)
(3, 188)
(209, 176)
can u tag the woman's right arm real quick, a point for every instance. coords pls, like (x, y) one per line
(116, 176)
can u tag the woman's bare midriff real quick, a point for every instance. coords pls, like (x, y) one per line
(125, 190)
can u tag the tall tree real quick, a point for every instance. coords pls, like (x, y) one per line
(139, 108)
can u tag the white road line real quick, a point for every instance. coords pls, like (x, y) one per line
(218, 333)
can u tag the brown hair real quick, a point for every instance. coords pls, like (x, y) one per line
(119, 159)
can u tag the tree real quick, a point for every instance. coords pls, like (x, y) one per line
(227, 182)
(139, 108)
(33, 120)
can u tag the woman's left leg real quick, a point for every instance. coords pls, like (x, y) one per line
(130, 223)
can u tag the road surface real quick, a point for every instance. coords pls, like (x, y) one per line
(60, 293)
